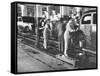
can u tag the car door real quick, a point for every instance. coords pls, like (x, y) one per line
(88, 26)
(85, 26)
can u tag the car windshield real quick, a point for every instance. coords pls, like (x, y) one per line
(28, 19)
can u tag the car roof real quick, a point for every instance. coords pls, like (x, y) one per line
(90, 11)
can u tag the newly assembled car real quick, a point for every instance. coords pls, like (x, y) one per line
(88, 25)
(24, 22)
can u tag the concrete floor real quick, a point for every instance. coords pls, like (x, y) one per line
(31, 60)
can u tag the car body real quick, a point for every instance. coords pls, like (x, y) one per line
(88, 24)
(25, 21)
